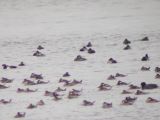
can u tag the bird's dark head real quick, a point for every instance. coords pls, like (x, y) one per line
(143, 84)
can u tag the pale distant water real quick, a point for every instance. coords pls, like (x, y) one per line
(63, 27)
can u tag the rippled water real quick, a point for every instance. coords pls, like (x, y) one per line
(63, 27)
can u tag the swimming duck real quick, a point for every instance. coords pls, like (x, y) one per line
(79, 58)
(139, 92)
(21, 64)
(91, 51)
(120, 75)
(128, 101)
(20, 115)
(104, 87)
(89, 44)
(36, 76)
(28, 82)
(106, 105)
(66, 74)
(38, 54)
(151, 100)
(60, 89)
(31, 106)
(121, 83)
(126, 92)
(111, 77)
(6, 80)
(145, 68)
(157, 76)
(157, 69)
(48, 93)
(111, 61)
(42, 82)
(4, 66)
(126, 41)
(12, 66)
(3, 86)
(83, 49)
(145, 58)
(5, 101)
(145, 39)
(56, 96)
(133, 87)
(40, 47)
(127, 47)
(88, 103)
(148, 86)
(74, 94)
(40, 103)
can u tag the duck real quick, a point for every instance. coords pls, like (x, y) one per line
(20, 115)
(126, 92)
(40, 103)
(6, 80)
(31, 106)
(79, 58)
(120, 75)
(145, 39)
(4, 66)
(56, 96)
(63, 81)
(126, 41)
(139, 92)
(19, 90)
(12, 67)
(104, 87)
(66, 74)
(111, 61)
(28, 82)
(106, 105)
(38, 54)
(128, 101)
(88, 103)
(5, 101)
(157, 76)
(84, 48)
(145, 58)
(121, 83)
(151, 100)
(42, 82)
(36, 76)
(29, 90)
(157, 69)
(48, 93)
(145, 68)
(133, 87)
(89, 44)
(60, 89)
(91, 51)
(130, 98)
(40, 47)
(127, 47)
(111, 77)
(125, 102)
(21, 64)
(3, 86)
(148, 86)
(73, 94)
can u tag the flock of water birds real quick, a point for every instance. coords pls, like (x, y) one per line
(36, 79)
